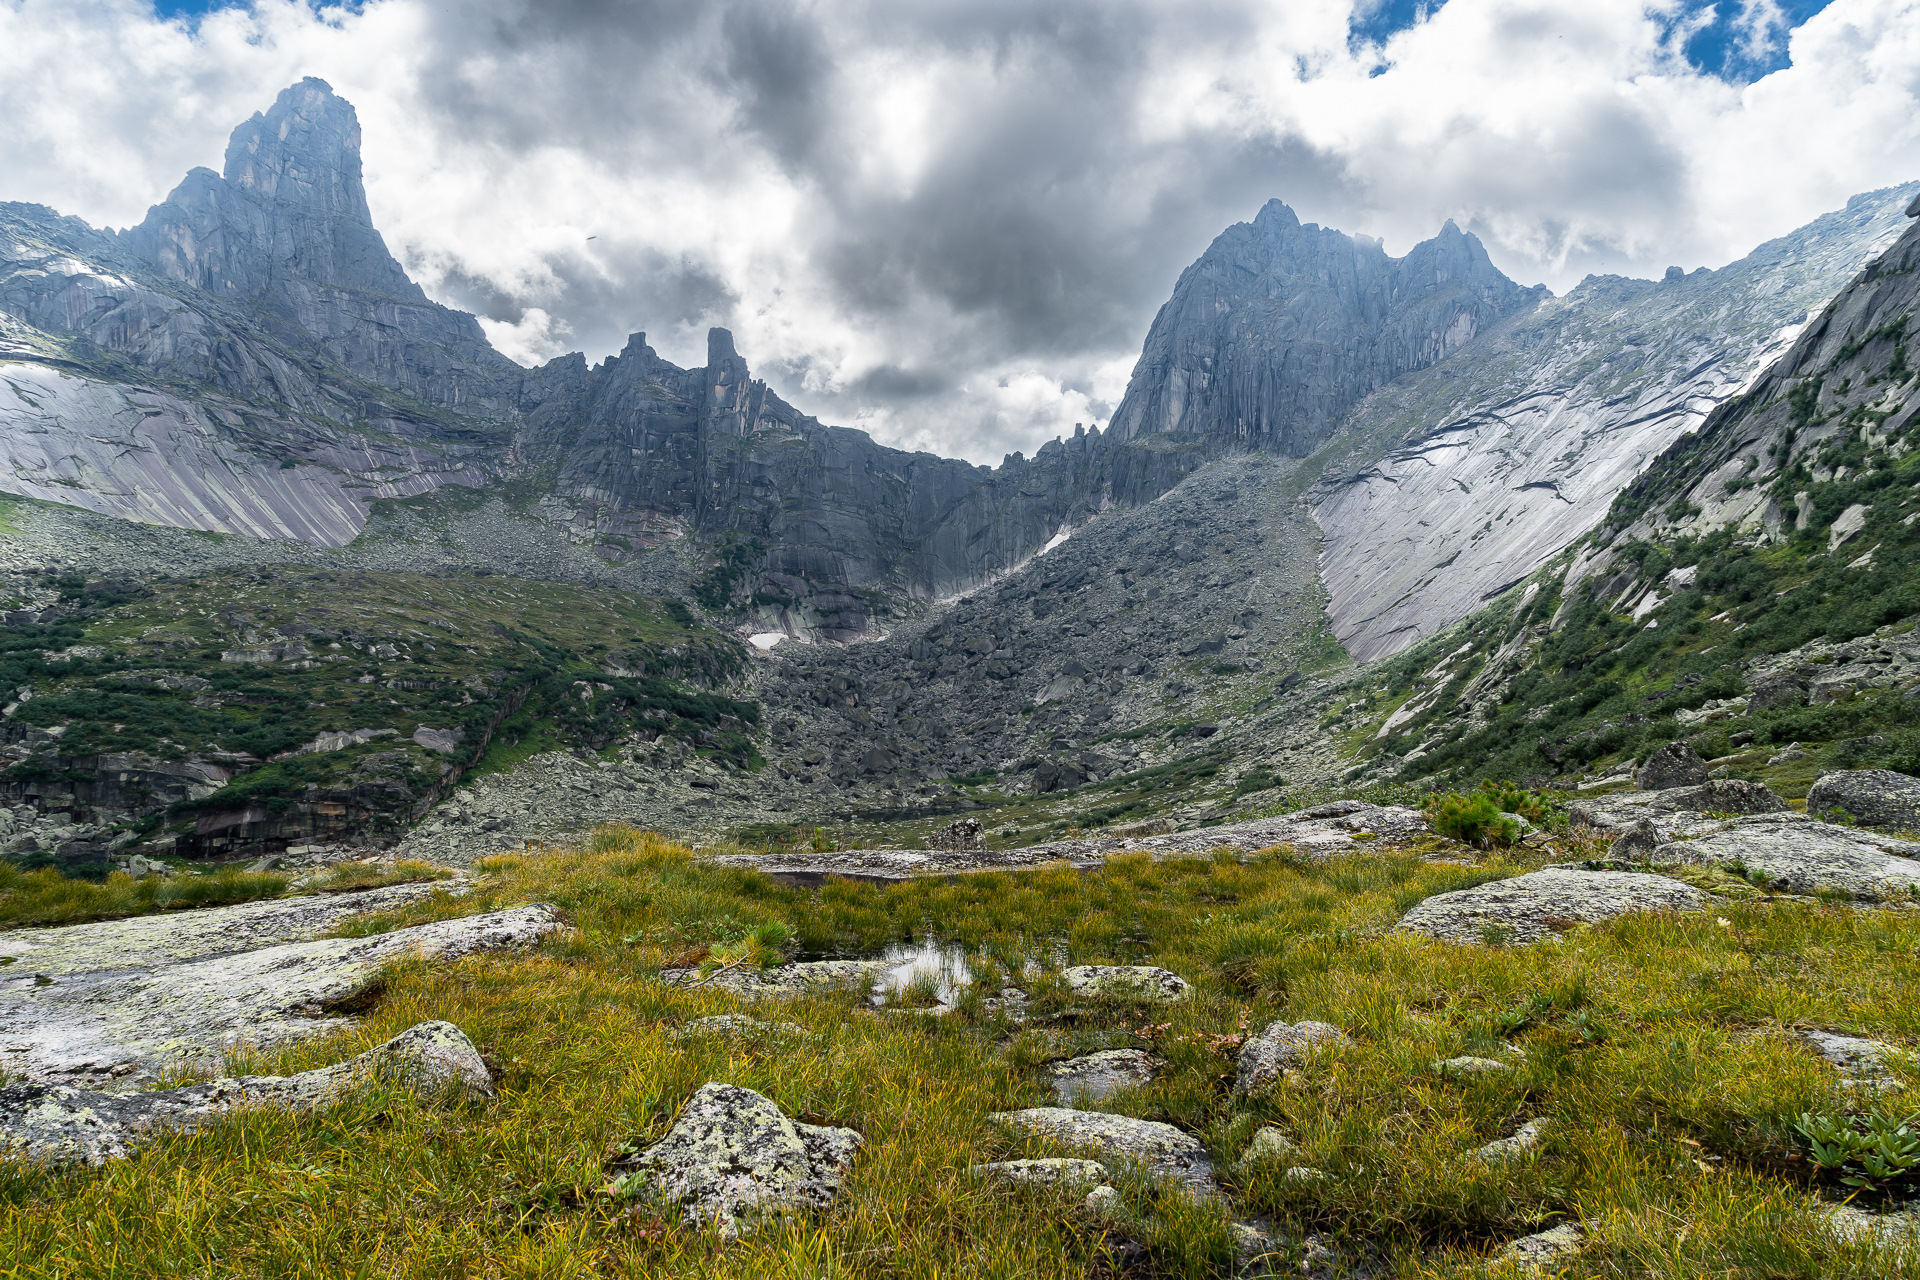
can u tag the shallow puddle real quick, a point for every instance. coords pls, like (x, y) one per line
(943, 963)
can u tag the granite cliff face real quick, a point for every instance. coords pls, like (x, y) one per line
(1279, 328)
(1458, 481)
(250, 359)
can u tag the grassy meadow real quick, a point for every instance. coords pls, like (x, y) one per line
(1658, 1049)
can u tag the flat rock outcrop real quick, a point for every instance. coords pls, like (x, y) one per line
(733, 1157)
(1327, 829)
(1161, 1149)
(1541, 904)
(1871, 797)
(57, 1125)
(1798, 854)
(136, 1020)
(1623, 809)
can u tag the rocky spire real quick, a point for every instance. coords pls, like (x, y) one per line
(291, 208)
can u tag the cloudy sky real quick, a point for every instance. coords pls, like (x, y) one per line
(951, 221)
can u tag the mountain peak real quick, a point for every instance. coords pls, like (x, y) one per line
(304, 150)
(291, 207)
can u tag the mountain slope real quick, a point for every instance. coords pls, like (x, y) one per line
(1454, 483)
(1753, 592)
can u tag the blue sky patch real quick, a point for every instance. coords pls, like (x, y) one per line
(1737, 40)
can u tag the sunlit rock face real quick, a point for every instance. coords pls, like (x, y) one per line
(1457, 481)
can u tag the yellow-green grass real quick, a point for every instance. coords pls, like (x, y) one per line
(46, 897)
(1658, 1048)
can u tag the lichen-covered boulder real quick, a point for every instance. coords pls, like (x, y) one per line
(1270, 1146)
(801, 978)
(1524, 1142)
(1126, 982)
(1544, 1249)
(1279, 1049)
(732, 1157)
(1797, 854)
(1163, 1150)
(58, 1125)
(1053, 1172)
(1636, 843)
(1675, 765)
(1095, 1077)
(1537, 906)
(1871, 797)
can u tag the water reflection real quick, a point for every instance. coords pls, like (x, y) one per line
(944, 964)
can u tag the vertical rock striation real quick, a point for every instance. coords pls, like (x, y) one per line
(1280, 328)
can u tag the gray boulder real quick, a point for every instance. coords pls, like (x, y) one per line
(1544, 1249)
(1797, 854)
(732, 1157)
(1095, 1077)
(1270, 1146)
(124, 1013)
(1871, 797)
(57, 1125)
(1164, 1151)
(1675, 765)
(1862, 1062)
(1725, 795)
(1279, 1049)
(1787, 690)
(1636, 843)
(1126, 982)
(1534, 907)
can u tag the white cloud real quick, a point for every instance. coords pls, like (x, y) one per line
(951, 222)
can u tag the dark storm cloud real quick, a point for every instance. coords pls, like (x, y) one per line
(1039, 226)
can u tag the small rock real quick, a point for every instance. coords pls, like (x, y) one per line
(1253, 1244)
(1675, 765)
(1042, 1173)
(1095, 1077)
(1103, 1200)
(1537, 906)
(1872, 797)
(1305, 1173)
(1126, 982)
(1636, 843)
(1471, 1066)
(732, 1156)
(1546, 1249)
(1854, 1225)
(1279, 1049)
(1791, 753)
(1163, 1150)
(1523, 1142)
(57, 1125)
(1862, 1062)
(735, 1025)
(1270, 1145)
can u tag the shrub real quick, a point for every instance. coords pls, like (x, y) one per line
(1473, 819)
